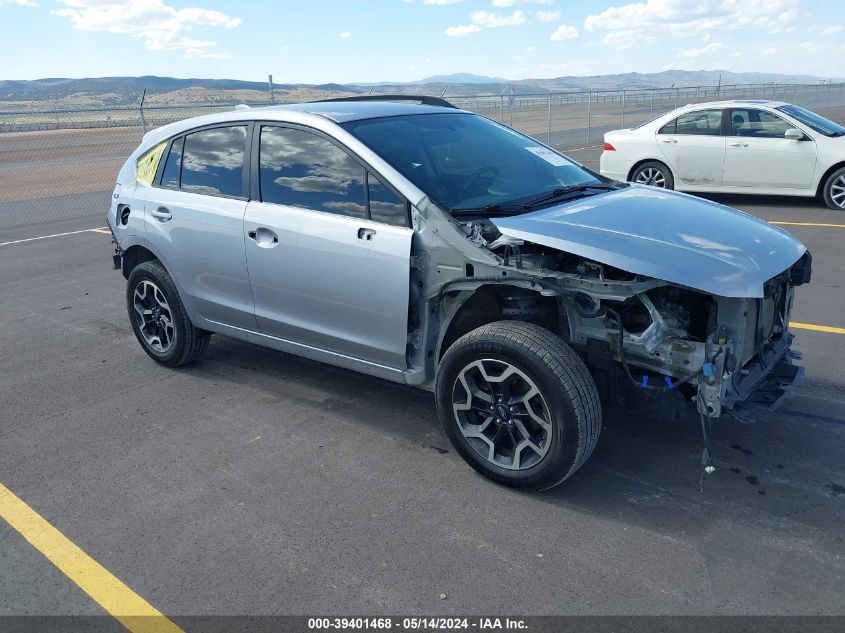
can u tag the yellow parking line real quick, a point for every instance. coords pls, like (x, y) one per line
(837, 226)
(100, 229)
(817, 328)
(130, 609)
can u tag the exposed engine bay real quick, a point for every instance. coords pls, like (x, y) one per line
(722, 353)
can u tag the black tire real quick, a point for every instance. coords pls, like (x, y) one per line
(187, 342)
(836, 179)
(565, 386)
(644, 171)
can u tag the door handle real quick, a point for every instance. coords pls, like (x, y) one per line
(670, 140)
(263, 237)
(366, 234)
(739, 144)
(162, 213)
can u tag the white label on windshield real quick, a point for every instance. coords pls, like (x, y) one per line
(549, 156)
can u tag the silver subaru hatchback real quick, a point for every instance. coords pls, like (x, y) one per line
(434, 247)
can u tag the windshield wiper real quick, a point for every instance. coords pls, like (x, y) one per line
(490, 209)
(565, 191)
(514, 208)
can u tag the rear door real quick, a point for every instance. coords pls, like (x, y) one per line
(758, 155)
(195, 220)
(694, 148)
(328, 247)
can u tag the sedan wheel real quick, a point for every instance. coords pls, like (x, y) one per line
(837, 192)
(653, 174)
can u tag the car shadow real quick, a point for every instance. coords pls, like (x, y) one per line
(646, 470)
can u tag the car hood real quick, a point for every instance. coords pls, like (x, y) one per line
(665, 235)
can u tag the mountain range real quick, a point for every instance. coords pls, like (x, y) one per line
(118, 91)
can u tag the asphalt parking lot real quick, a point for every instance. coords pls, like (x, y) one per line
(254, 482)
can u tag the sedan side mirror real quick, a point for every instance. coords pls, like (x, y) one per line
(794, 134)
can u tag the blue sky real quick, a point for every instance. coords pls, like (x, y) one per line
(317, 41)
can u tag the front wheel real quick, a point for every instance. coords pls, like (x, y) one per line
(518, 404)
(834, 190)
(655, 174)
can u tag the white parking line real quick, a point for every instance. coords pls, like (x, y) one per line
(101, 229)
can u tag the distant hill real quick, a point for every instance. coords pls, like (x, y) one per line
(460, 78)
(126, 91)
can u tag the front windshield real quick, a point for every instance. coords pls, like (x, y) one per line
(464, 161)
(813, 120)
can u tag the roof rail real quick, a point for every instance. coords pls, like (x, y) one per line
(432, 101)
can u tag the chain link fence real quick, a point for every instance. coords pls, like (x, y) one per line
(61, 164)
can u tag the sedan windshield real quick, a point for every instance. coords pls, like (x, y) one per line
(466, 162)
(813, 120)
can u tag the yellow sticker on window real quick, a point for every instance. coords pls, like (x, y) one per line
(147, 165)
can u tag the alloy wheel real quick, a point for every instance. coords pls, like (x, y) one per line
(502, 414)
(651, 176)
(837, 192)
(153, 316)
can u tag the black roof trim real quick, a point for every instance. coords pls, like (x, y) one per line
(424, 100)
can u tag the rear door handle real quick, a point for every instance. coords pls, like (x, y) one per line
(366, 234)
(739, 144)
(162, 213)
(264, 237)
(670, 140)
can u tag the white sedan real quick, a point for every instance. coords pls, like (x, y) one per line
(758, 147)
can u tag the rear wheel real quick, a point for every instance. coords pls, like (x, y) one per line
(518, 404)
(655, 174)
(159, 319)
(834, 190)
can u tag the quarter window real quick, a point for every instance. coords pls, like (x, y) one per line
(699, 123)
(173, 166)
(757, 123)
(301, 169)
(385, 206)
(213, 161)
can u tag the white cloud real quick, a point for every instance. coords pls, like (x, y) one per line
(441, 2)
(826, 30)
(509, 3)
(463, 29)
(19, 3)
(346, 35)
(494, 20)
(161, 26)
(636, 22)
(486, 20)
(564, 32)
(547, 16)
(698, 52)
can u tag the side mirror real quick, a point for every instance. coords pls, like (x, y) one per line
(793, 134)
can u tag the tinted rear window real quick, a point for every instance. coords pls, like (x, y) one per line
(213, 161)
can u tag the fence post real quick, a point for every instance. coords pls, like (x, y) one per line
(623, 108)
(141, 110)
(270, 83)
(589, 106)
(652, 102)
(549, 121)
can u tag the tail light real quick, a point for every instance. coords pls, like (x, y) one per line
(608, 147)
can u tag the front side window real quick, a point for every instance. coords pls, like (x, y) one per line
(757, 123)
(213, 161)
(699, 123)
(464, 161)
(301, 169)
